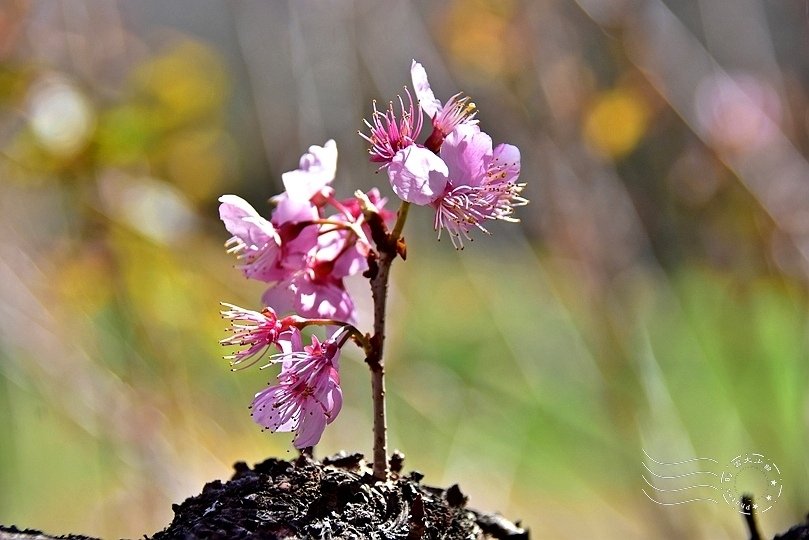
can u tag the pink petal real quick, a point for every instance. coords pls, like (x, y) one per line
(466, 152)
(351, 262)
(429, 104)
(324, 298)
(330, 300)
(349, 259)
(274, 418)
(417, 175)
(289, 341)
(312, 424)
(280, 297)
(316, 171)
(288, 209)
(333, 402)
(506, 160)
(242, 221)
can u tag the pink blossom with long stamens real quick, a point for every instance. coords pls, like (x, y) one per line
(317, 289)
(308, 394)
(268, 250)
(481, 184)
(457, 111)
(253, 331)
(255, 241)
(467, 183)
(272, 250)
(389, 132)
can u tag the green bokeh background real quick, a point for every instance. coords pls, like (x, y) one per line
(653, 298)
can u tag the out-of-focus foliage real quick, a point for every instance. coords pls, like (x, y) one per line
(654, 299)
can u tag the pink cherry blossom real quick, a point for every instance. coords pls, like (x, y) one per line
(467, 183)
(255, 240)
(352, 207)
(313, 292)
(303, 255)
(458, 110)
(268, 250)
(308, 394)
(389, 133)
(342, 252)
(316, 171)
(349, 247)
(482, 183)
(254, 331)
(317, 289)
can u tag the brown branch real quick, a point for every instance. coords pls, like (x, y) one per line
(388, 246)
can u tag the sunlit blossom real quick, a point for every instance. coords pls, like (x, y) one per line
(253, 331)
(315, 172)
(389, 132)
(312, 292)
(417, 175)
(458, 110)
(308, 394)
(255, 241)
(303, 252)
(481, 184)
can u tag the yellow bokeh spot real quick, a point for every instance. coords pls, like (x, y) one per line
(616, 122)
(84, 282)
(197, 162)
(479, 34)
(185, 83)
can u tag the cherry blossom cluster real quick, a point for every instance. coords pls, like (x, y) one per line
(310, 244)
(313, 241)
(456, 170)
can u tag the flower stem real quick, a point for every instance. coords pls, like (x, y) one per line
(387, 248)
(401, 217)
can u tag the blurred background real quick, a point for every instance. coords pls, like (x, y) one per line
(654, 297)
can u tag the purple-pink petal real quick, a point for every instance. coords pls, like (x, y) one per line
(311, 297)
(255, 241)
(316, 171)
(427, 100)
(274, 410)
(351, 261)
(482, 184)
(506, 161)
(243, 222)
(312, 423)
(325, 299)
(417, 175)
(289, 209)
(334, 400)
(466, 151)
